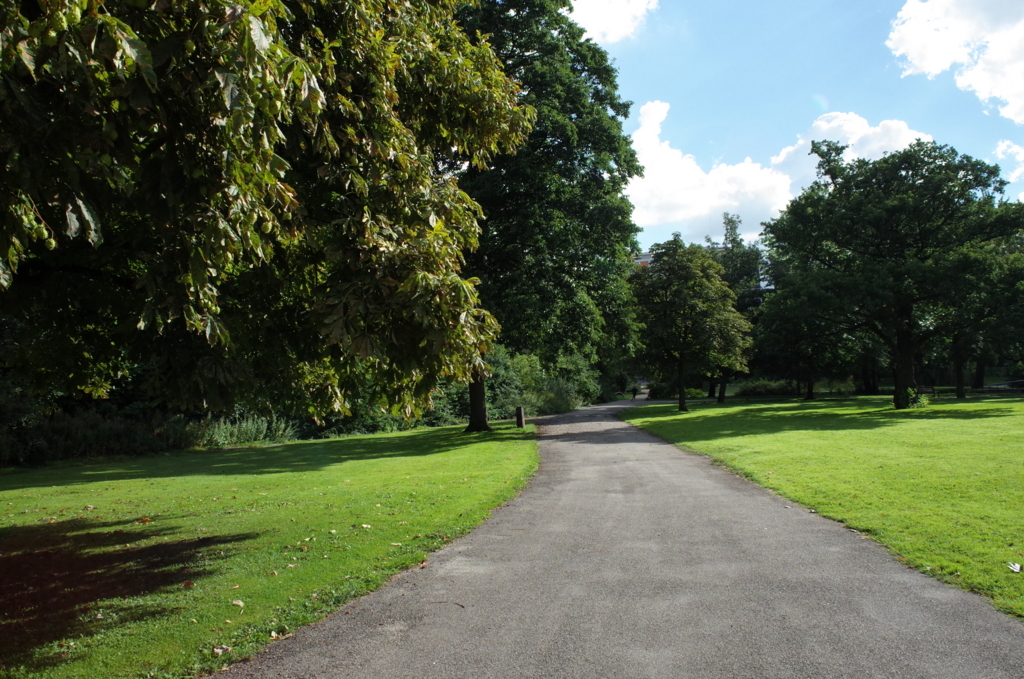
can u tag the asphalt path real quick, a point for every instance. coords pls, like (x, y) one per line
(626, 557)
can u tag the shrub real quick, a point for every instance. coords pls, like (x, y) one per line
(917, 399)
(101, 431)
(670, 390)
(765, 388)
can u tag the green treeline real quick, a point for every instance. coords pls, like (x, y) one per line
(224, 222)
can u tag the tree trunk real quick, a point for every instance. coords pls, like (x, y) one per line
(869, 381)
(721, 389)
(478, 404)
(682, 388)
(979, 374)
(809, 396)
(958, 375)
(903, 374)
(711, 386)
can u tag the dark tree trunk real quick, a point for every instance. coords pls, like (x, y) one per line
(809, 396)
(711, 386)
(958, 376)
(721, 389)
(979, 374)
(869, 381)
(903, 373)
(478, 405)
(798, 389)
(682, 388)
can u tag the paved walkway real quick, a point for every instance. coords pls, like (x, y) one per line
(626, 558)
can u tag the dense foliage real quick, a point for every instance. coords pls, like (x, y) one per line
(244, 202)
(909, 248)
(555, 250)
(689, 313)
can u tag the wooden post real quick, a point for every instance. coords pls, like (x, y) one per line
(520, 417)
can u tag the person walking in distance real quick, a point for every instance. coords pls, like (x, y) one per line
(633, 391)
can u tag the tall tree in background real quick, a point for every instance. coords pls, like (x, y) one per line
(688, 311)
(741, 270)
(244, 199)
(557, 235)
(890, 246)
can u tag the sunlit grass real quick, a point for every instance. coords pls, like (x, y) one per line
(942, 487)
(134, 568)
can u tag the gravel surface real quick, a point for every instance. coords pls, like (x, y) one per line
(626, 557)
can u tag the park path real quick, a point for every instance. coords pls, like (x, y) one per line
(627, 558)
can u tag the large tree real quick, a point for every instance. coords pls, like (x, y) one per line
(557, 235)
(691, 323)
(891, 245)
(742, 271)
(245, 199)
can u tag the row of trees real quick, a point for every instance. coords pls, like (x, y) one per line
(876, 266)
(296, 206)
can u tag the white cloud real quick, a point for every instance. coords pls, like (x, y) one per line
(676, 194)
(675, 189)
(984, 37)
(1007, 149)
(849, 129)
(608, 21)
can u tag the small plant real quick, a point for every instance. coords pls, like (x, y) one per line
(916, 399)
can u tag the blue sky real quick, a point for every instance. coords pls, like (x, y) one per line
(727, 96)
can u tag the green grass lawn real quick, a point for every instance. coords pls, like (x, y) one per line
(155, 566)
(941, 487)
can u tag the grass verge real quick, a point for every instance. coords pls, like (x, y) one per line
(155, 567)
(941, 487)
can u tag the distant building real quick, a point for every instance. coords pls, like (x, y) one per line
(643, 260)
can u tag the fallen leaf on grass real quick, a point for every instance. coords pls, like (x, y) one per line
(1015, 567)
(238, 602)
(273, 572)
(145, 519)
(235, 586)
(396, 544)
(187, 584)
(292, 565)
(221, 650)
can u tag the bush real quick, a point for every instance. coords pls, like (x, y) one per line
(102, 431)
(765, 388)
(670, 390)
(917, 399)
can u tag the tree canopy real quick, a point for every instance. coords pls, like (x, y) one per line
(245, 201)
(558, 230)
(691, 323)
(893, 246)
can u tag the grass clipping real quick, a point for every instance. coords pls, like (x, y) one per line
(177, 565)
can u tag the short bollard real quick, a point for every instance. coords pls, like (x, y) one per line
(520, 417)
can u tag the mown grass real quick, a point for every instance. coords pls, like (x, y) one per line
(133, 568)
(941, 487)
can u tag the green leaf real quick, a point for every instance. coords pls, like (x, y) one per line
(259, 38)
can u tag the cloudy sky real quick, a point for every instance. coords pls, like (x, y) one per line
(728, 96)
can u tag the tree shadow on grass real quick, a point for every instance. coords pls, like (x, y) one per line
(68, 580)
(714, 421)
(297, 456)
